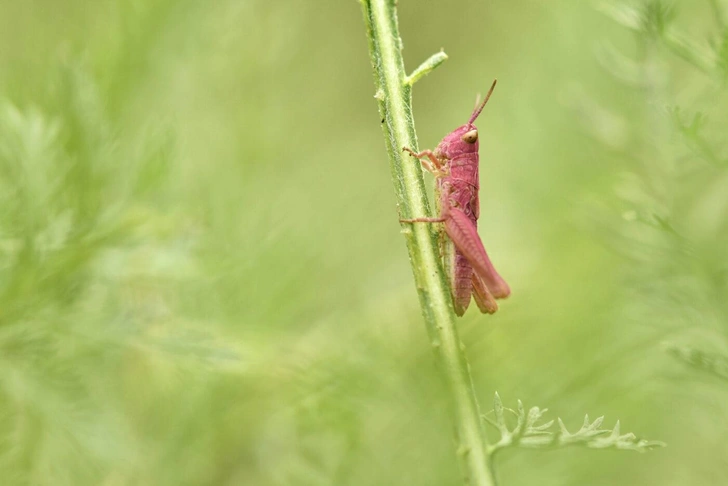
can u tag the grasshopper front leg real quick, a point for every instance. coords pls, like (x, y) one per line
(434, 165)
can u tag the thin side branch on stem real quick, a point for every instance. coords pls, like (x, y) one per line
(426, 67)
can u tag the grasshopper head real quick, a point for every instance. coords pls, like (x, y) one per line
(464, 139)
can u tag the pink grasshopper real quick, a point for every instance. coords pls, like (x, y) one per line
(454, 163)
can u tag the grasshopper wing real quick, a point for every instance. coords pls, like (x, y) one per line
(464, 235)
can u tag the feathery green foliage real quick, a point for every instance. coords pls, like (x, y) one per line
(528, 432)
(679, 197)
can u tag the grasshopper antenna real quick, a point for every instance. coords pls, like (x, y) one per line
(480, 107)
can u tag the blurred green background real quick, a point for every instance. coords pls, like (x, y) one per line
(202, 280)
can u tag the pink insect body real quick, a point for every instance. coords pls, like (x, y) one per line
(455, 166)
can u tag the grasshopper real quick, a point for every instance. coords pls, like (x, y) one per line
(454, 163)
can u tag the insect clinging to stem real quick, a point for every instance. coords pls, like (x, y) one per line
(454, 163)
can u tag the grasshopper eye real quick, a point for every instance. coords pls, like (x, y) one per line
(470, 137)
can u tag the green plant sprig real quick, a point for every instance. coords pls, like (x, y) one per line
(654, 19)
(529, 433)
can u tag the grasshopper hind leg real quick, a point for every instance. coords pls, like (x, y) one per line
(483, 298)
(461, 273)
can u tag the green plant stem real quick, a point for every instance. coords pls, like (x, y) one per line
(394, 93)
